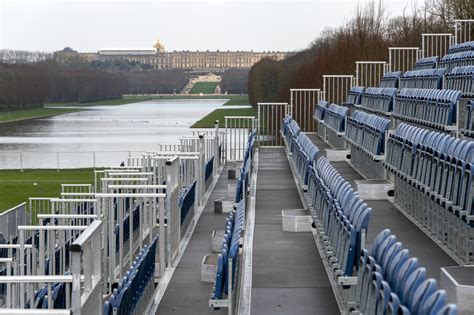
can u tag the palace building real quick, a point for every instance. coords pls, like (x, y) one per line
(158, 58)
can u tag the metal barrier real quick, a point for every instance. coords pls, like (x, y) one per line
(302, 102)
(336, 87)
(370, 73)
(10, 219)
(237, 129)
(270, 116)
(436, 44)
(402, 58)
(463, 31)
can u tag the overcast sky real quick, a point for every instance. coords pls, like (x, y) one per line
(87, 25)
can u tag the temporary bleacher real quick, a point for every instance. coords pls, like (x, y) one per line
(229, 259)
(390, 79)
(366, 135)
(392, 282)
(423, 79)
(426, 63)
(97, 249)
(431, 108)
(433, 184)
(378, 100)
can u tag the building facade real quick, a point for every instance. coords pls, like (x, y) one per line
(157, 58)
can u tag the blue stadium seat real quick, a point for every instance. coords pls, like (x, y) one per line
(390, 79)
(426, 63)
(423, 79)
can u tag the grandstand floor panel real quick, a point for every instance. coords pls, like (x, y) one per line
(186, 294)
(287, 273)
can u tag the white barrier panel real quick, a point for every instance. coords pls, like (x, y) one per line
(270, 116)
(237, 129)
(336, 87)
(369, 73)
(436, 44)
(302, 103)
(10, 219)
(463, 31)
(402, 58)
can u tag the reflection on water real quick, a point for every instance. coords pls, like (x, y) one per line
(134, 127)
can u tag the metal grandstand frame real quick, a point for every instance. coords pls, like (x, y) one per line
(463, 31)
(369, 73)
(302, 102)
(436, 44)
(269, 120)
(402, 58)
(336, 87)
(237, 129)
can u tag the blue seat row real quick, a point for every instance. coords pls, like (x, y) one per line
(466, 46)
(390, 79)
(462, 79)
(335, 117)
(470, 117)
(227, 272)
(244, 175)
(340, 216)
(389, 281)
(423, 79)
(367, 132)
(303, 151)
(432, 108)
(378, 99)
(354, 95)
(433, 183)
(127, 295)
(209, 169)
(58, 291)
(230, 250)
(319, 110)
(186, 200)
(426, 63)
(459, 59)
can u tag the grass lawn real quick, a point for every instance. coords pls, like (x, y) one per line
(17, 186)
(33, 113)
(238, 100)
(204, 88)
(219, 114)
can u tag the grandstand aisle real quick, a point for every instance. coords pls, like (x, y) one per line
(385, 215)
(288, 276)
(186, 293)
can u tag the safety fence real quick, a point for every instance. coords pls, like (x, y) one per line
(402, 58)
(269, 121)
(369, 73)
(335, 87)
(302, 103)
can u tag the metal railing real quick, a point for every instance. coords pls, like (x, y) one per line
(369, 73)
(436, 44)
(336, 87)
(270, 116)
(402, 58)
(302, 102)
(237, 129)
(463, 31)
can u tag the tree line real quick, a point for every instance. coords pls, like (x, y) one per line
(30, 85)
(235, 81)
(366, 36)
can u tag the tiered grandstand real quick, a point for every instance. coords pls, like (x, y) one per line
(356, 198)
